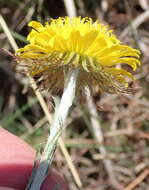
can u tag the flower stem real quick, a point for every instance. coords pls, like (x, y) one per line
(56, 129)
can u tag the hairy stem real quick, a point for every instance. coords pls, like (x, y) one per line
(56, 130)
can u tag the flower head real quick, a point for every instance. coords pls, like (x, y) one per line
(82, 44)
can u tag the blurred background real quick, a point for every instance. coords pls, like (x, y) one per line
(119, 157)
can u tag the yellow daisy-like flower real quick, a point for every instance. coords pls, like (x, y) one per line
(82, 44)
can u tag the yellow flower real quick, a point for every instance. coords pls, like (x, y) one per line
(78, 43)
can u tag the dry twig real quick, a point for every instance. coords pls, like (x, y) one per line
(138, 180)
(135, 23)
(99, 137)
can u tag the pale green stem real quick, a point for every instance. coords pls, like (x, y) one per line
(56, 130)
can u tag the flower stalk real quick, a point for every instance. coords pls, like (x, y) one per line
(56, 130)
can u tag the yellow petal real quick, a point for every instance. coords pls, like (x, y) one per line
(115, 71)
(132, 62)
(36, 25)
(31, 55)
